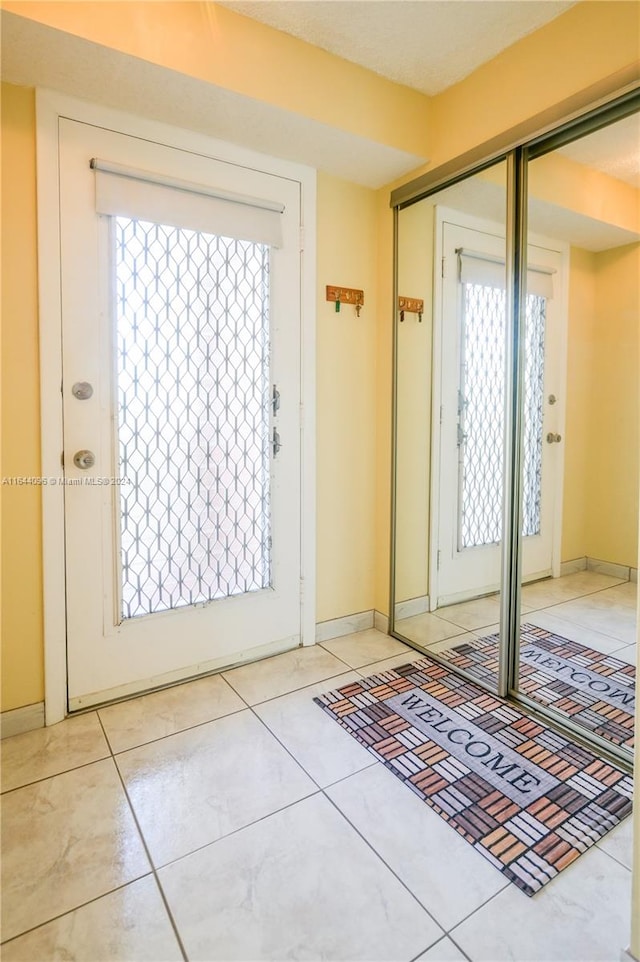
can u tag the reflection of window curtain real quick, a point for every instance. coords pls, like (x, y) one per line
(478, 268)
(481, 404)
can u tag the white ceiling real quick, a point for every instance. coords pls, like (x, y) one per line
(615, 150)
(425, 44)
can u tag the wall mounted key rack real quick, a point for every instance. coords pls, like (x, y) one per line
(411, 305)
(345, 295)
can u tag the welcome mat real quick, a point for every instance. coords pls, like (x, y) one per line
(595, 689)
(530, 800)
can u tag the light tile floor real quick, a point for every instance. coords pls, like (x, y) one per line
(230, 819)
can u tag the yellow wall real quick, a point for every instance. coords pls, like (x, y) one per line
(221, 47)
(346, 397)
(22, 646)
(601, 434)
(414, 364)
(613, 411)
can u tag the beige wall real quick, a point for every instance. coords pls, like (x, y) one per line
(613, 411)
(346, 397)
(601, 450)
(414, 364)
(22, 647)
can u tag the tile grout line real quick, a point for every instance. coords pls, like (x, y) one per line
(82, 905)
(319, 791)
(576, 624)
(235, 831)
(604, 851)
(65, 771)
(388, 867)
(147, 852)
(417, 958)
(236, 711)
(292, 691)
(178, 731)
(322, 792)
(461, 951)
(477, 909)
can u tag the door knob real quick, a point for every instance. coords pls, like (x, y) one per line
(553, 438)
(84, 459)
(82, 390)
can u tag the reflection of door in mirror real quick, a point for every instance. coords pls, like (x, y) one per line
(578, 650)
(427, 404)
(471, 331)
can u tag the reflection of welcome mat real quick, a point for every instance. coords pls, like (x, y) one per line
(529, 800)
(596, 690)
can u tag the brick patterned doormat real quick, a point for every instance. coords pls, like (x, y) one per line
(530, 800)
(596, 690)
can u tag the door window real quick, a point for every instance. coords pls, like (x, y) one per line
(481, 414)
(192, 319)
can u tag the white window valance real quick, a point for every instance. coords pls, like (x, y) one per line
(143, 195)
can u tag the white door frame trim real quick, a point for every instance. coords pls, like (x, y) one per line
(50, 107)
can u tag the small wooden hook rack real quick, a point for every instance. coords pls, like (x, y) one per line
(345, 295)
(411, 305)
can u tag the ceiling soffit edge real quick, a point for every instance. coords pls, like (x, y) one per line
(624, 82)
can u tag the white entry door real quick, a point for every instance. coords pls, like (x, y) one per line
(182, 404)
(471, 324)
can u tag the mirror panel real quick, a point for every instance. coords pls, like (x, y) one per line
(578, 640)
(450, 371)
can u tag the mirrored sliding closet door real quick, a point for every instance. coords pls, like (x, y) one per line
(515, 462)
(450, 390)
(577, 651)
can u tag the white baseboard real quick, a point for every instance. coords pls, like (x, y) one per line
(625, 954)
(336, 627)
(20, 720)
(572, 567)
(624, 572)
(414, 606)
(381, 622)
(609, 568)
